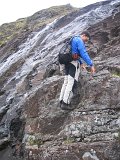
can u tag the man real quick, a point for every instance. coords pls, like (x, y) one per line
(72, 69)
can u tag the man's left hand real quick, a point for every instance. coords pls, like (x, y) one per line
(83, 66)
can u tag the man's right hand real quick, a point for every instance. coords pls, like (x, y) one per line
(92, 69)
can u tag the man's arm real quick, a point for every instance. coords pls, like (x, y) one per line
(80, 61)
(85, 56)
(83, 53)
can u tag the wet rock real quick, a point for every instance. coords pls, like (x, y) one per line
(36, 80)
(3, 143)
(3, 110)
(22, 86)
(88, 156)
(3, 132)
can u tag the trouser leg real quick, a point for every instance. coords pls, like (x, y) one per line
(77, 72)
(73, 75)
(68, 91)
(74, 89)
(63, 87)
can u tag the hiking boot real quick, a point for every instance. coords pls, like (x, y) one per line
(65, 106)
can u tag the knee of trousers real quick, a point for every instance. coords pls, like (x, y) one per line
(70, 82)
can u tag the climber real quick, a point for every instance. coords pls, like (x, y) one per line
(72, 69)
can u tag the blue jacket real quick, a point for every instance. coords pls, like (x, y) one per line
(78, 47)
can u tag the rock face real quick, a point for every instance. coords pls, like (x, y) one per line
(32, 126)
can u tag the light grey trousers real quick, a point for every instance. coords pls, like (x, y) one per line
(72, 71)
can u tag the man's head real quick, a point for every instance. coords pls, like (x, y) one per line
(85, 36)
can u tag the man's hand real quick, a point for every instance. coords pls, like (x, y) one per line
(89, 69)
(92, 69)
(83, 66)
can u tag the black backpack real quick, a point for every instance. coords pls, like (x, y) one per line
(65, 54)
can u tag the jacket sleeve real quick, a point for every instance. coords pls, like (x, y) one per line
(80, 61)
(83, 53)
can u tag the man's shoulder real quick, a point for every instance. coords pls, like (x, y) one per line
(77, 39)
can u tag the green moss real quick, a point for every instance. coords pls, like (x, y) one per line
(1, 33)
(32, 23)
(2, 42)
(31, 141)
(69, 140)
(19, 24)
(7, 31)
(116, 74)
(34, 141)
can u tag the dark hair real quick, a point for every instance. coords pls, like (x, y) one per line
(87, 34)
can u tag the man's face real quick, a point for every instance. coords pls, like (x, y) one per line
(85, 38)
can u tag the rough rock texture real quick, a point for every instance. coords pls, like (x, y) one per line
(32, 126)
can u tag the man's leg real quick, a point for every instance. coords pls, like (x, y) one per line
(65, 82)
(63, 88)
(75, 97)
(77, 71)
(76, 77)
(68, 90)
(73, 75)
